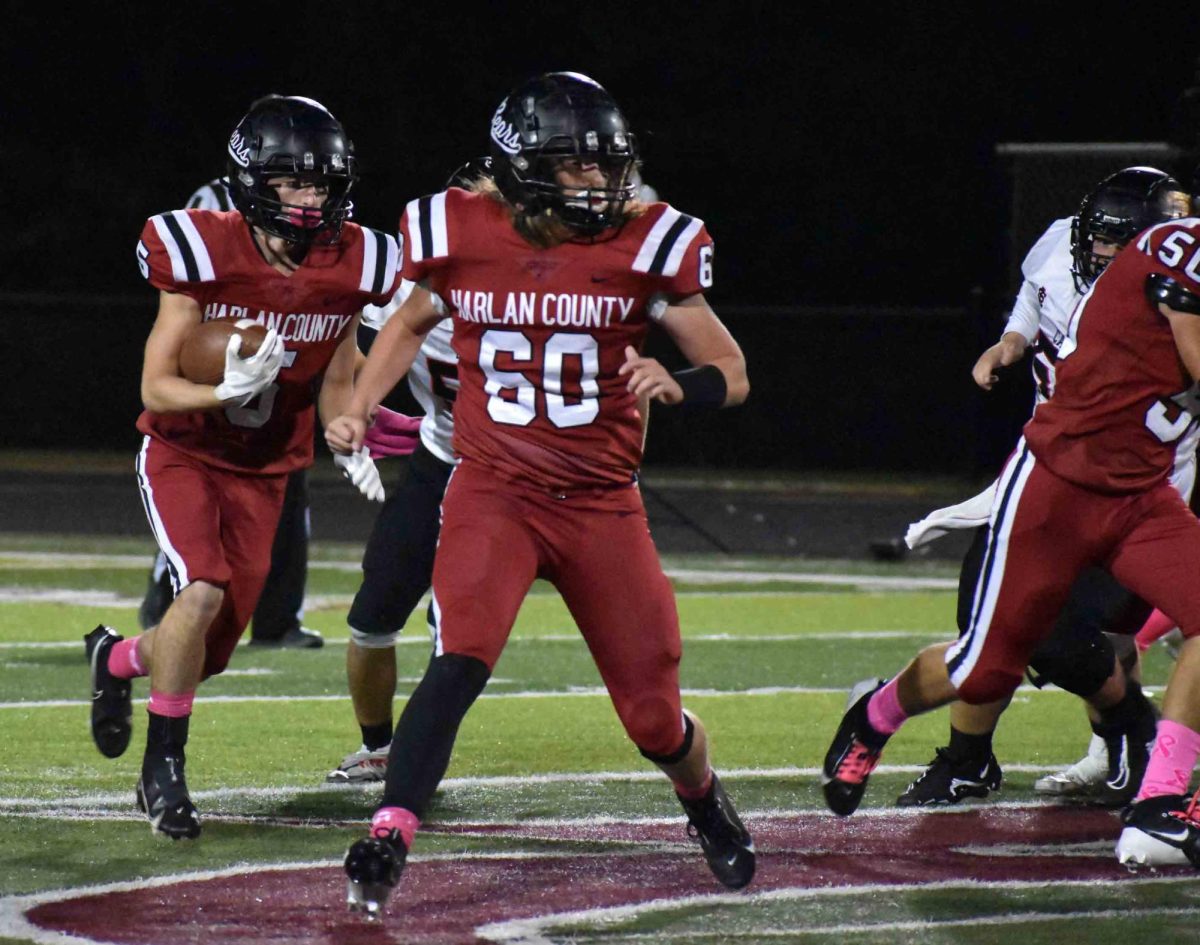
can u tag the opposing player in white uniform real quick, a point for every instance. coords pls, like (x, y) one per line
(398, 561)
(1058, 271)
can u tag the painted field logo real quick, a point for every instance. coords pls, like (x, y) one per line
(651, 866)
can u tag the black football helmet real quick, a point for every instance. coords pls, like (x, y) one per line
(550, 118)
(1120, 207)
(290, 136)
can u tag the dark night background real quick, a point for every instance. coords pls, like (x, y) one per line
(843, 159)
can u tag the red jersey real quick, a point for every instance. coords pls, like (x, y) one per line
(211, 257)
(1123, 405)
(541, 333)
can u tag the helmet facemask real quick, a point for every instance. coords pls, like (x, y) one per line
(299, 139)
(565, 122)
(1122, 206)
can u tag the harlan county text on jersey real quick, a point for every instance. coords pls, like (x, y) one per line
(298, 326)
(565, 310)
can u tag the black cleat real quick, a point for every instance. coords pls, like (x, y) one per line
(1160, 831)
(373, 867)
(112, 703)
(162, 795)
(946, 780)
(726, 843)
(159, 596)
(853, 754)
(296, 638)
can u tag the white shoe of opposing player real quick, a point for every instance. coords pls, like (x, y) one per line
(1084, 777)
(360, 767)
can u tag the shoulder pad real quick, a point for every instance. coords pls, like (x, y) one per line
(190, 261)
(428, 237)
(662, 249)
(381, 260)
(1163, 290)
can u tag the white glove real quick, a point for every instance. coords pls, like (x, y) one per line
(246, 378)
(360, 469)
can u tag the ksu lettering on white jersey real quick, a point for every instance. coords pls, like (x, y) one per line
(433, 377)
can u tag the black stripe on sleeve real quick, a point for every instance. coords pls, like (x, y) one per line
(664, 248)
(189, 258)
(222, 195)
(381, 248)
(425, 206)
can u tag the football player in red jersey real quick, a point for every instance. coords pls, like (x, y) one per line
(215, 459)
(1088, 484)
(553, 276)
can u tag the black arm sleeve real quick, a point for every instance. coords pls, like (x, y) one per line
(1166, 291)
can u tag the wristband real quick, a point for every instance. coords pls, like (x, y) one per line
(702, 386)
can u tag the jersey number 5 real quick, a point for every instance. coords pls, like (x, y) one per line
(521, 410)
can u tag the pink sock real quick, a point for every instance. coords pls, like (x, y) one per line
(173, 705)
(123, 660)
(1172, 759)
(884, 712)
(403, 822)
(695, 793)
(1157, 625)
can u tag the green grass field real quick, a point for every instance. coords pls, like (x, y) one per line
(766, 665)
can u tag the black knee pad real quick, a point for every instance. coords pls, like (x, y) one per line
(1079, 662)
(689, 733)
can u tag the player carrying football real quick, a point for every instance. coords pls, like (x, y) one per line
(553, 277)
(215, 459)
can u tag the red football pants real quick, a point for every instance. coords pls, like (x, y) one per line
(213, 525)
(595, 548)
(1044, 531)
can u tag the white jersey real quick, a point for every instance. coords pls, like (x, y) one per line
(1042, 313)
(1044, 304)
(433, 377)
(211, 196)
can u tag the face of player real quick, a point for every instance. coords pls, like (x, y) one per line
(302, 198)
(578, 176)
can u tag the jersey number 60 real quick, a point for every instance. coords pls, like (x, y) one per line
(521, 410)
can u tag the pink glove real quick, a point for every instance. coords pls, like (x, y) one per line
(392, 434)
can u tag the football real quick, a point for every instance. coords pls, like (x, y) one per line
(202, 357)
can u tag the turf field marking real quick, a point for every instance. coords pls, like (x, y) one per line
(421, 640)
(44, 560)
(100, 802)
(529, 931)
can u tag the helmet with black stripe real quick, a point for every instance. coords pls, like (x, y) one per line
(297, 138)
(556, 120)
(1119, 208)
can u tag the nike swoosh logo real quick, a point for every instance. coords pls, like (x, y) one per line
(98, 694)
(601, 278)
(956, 783)
(1177, 837)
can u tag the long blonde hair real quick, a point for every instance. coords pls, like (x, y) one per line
(545, 230)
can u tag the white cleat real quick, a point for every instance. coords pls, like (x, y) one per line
(1082, 779)
(1159, 831)
(360, 767)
